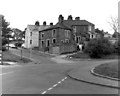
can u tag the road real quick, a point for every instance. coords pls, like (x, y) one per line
(47, 77)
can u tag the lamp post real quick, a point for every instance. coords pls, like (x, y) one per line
(31, 45)
(1, 16)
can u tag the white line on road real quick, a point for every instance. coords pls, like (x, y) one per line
(6, 73)
(54, 85)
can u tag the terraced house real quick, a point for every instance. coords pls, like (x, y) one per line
(66, 35)
(32, 34)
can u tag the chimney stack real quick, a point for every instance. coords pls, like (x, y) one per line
(70, 17)
(77, 18)
(51, 24)
(44, 23)
(60, 18)
(37, 23)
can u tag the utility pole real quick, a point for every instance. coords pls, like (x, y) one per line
(1, 54)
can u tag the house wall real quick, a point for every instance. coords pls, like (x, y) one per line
(27, 38)
(64, 48)
(34, 38)
(60, 35)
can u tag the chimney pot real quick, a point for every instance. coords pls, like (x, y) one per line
(70, 17)
(77, 18)
(51, 24)
(37, 23)
(61, 18)
(44, 23)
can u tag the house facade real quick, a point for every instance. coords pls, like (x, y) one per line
(32, 34)
(82, 29)
(56, 39)
(68, 34)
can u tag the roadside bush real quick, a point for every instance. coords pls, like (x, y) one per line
(4, 41)
(97, 48)
(18, 44)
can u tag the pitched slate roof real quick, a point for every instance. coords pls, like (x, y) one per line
(37, 28)
(58, 25)
(66, 24)
(76, 22)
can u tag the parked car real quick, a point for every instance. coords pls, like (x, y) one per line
(23, 45)
(11, 45)
(4, 48)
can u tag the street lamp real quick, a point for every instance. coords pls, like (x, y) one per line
(1, 16)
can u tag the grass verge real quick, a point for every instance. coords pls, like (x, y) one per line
(80, 55)
(108, 69)
(8, 56)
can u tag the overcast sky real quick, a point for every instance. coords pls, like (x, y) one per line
(20, 13)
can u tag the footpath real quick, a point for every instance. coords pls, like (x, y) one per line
(85, 75)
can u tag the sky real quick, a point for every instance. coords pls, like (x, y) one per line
(20, 13)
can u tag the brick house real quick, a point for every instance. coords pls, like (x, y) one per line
(65, 35)
(82, 29)
(56, 39)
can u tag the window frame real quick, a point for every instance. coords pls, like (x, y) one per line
(30, 42)
(42, 35)
(66, 40)
(30, 33)
(53, 34)
(54, 39)
(74, 29)
(42, 44)
(47, 42)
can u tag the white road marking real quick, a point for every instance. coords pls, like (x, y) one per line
(44, 92)
(54, 85)
(50, 88)
(7, 73)
(59, 82)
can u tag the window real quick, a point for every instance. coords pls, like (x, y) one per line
(90, 28)
(66, 40)
(74, 29)
(42, 43)
(78, 39)
(53, 32)
(62, 41)
(84, 28)
(67, 33)
(30, 33)
(54, 41)
(42, 35)
(47, 42)
(30, 41)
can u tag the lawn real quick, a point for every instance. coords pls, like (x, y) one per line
(8, 56)
(108, 69)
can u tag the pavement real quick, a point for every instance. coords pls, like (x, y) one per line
(85, 75)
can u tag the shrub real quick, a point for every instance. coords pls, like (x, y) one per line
(4, 41)
(18, 44)
(97, 48)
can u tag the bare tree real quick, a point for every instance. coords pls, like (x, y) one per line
(114, 24)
